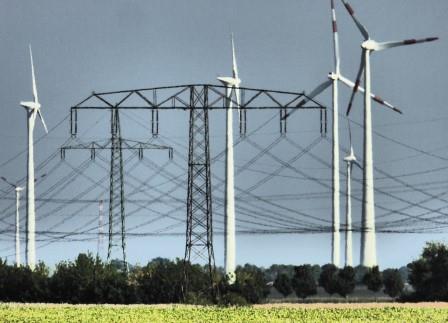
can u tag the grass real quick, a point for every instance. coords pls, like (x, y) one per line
(180, 313)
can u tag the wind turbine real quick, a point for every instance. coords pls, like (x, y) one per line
(17, 189)
(232, 84)
(368, 239)
(350, 160)
(33, 110)
(333, 78)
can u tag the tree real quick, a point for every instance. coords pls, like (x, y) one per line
(345, 281)
(250, 283)
(373, 279)
(89, 280)
(283, 284)
(360, 272)
(316, 272)
(21, 284)
(428, 274)
(393, 283)
(327, 278)
(303, 282)
(274, 270)
(160, 281)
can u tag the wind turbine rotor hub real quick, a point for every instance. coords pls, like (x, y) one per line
(230, 81)
(370, 45)
(333, 76)
(30, 105)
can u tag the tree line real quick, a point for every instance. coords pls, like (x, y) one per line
(88, 279)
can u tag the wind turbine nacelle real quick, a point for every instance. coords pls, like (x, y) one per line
(350, 158)
(370, 45)
(230, 81)
(30, 105)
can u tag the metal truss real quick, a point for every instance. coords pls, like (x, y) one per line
(116, 145)
(198, 99)
(178, 98)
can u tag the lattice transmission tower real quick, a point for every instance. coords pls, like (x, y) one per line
(116, 145)
(199, 235)
(199, 100)
(117, 224)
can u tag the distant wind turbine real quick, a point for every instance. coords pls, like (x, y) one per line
(33, 110)
(232, 85)
(333, 79)
(368, 239)
(350, 160)
(17, 189)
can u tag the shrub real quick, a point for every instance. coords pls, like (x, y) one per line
(345, 281)
(160, 281)
(283, 284)
(393, 283)
(373, 279)
(428, 275)
(303, 282)
(250, 283)
(327, 278)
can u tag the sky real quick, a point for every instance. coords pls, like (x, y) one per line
(84, 46)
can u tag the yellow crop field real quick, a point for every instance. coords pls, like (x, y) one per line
(142, 313)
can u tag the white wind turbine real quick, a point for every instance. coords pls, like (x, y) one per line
(333, 79)
(350, 160)
(232, 84)
(368, 239)
(33, 110)
(17, 189)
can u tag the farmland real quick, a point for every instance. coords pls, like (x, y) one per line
(423, 312)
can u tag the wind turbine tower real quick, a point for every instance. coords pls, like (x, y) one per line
(17, 189)
(368, 238)
(33, 110)
(332, 80)
(350, 160)
(232, 85)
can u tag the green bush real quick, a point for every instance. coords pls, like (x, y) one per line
(428, 274)
(283, 284)
(373, 279)
(303, 282)
(345, 281)
(393, 283)
(327, 278)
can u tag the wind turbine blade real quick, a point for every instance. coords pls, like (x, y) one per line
(350, 134)
(234, 65)
(237, 94)
(42, 119)
(357, 164)
(378, 99)
(36, 99)
(374, 97)
(319, 89)
(391, 44)
(360, 26)
(337, 59)
(356, 85)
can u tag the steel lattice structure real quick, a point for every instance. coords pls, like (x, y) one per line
(199, 233)
(116, 145)
(198, 99)
(117, 221)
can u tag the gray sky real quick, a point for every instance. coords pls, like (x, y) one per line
(81, 46)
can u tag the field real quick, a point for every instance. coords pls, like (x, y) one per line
(424, 312)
